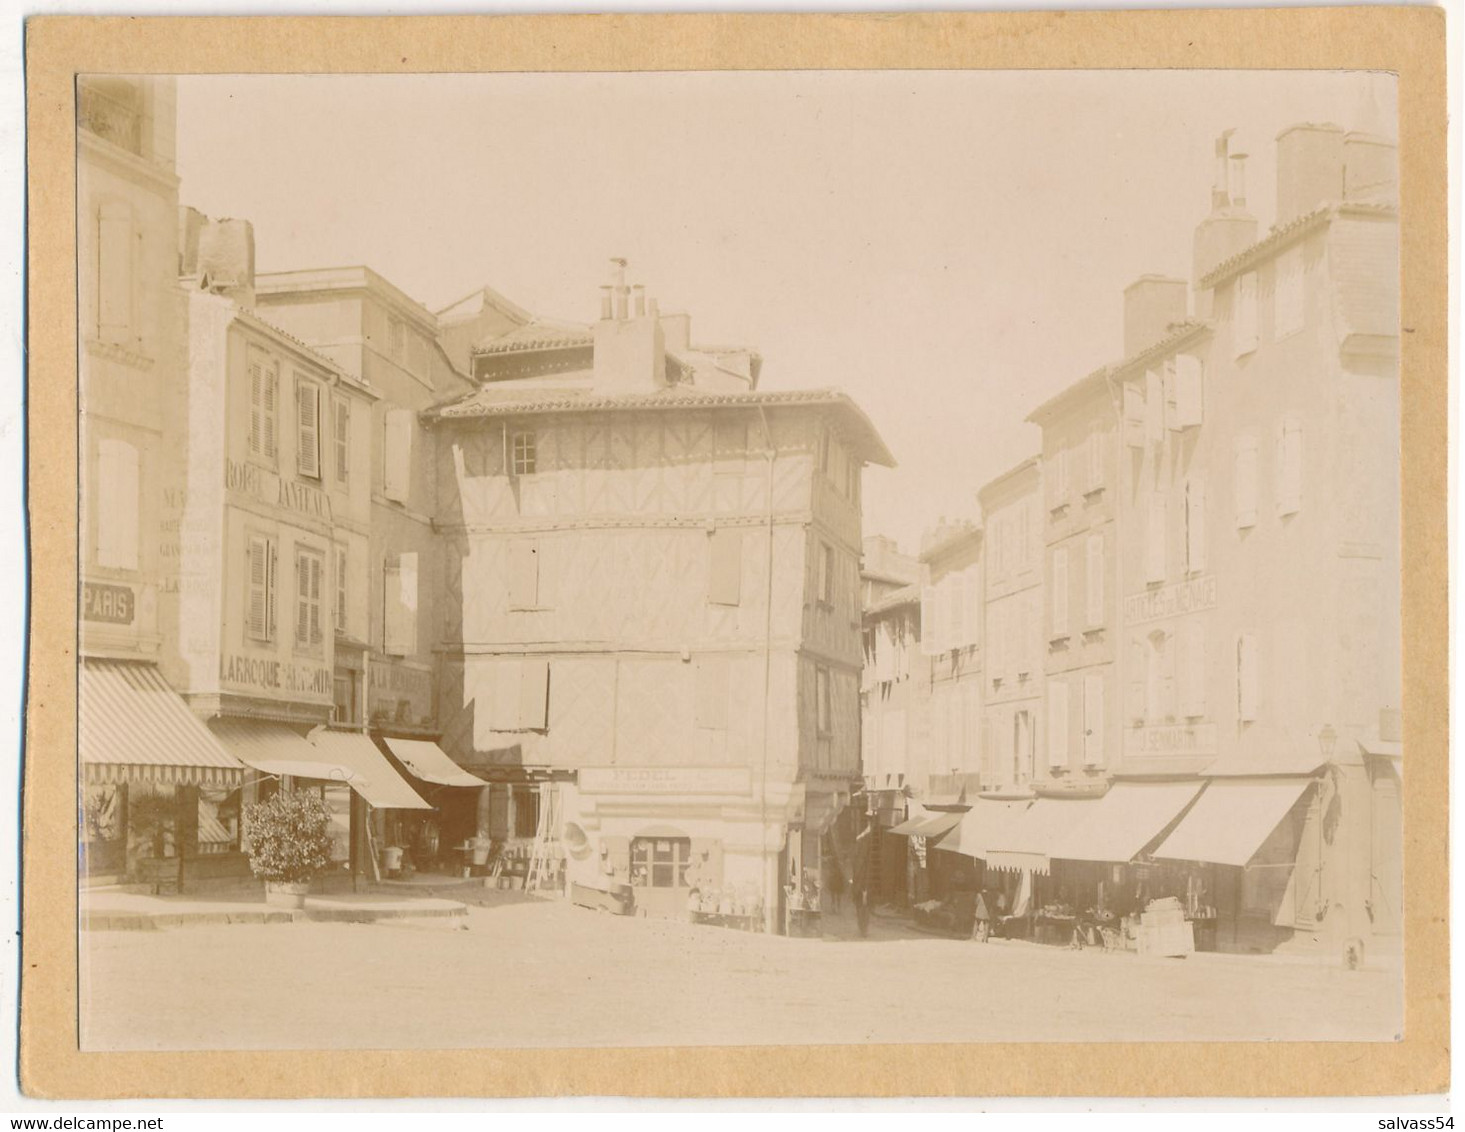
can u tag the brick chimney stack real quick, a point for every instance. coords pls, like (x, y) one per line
(630, 348)
(1229, 228)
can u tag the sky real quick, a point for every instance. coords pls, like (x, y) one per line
(949, 248)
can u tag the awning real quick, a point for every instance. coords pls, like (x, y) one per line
(985, 824)
(429, 762)
(371, 775)
(132, 727)
(927, 825)
(1027, 844)
(1232, 819)
(1125, 820)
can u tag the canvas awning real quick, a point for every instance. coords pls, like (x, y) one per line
(1028, 842)
(1125, 820)
(431, 763)
(371, 775)
(1231, 820)
(927, 825)
(984, 824)
(132, 727)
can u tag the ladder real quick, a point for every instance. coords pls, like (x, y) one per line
(545, 840)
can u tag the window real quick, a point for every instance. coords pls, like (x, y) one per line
(525, 805)
(1245, 318)
(1288, 308)
(1160, 679)
(341, 436)
(342, 604)
(259, 613)
(1195, 525)
(824, 711)
(343, 709)
(1172, 409)
(399, 597)
(713, 675)
(1154, 407)
(1093, 720)
(309, 566)
(1155, 540)
(660, 862)
(524, 574)
(307, 428)
(725, 566)
(1134, 416)
(1248, 688)
(525, 454)
(1094, 581)
(1245, 481)
(1189, 391)
(118, 505)
(1060, 592)
(1193, 669)
(397, 453)
(1289, 468)
(826, 574)
(115, 241)
(264, 381)
(1058, 724)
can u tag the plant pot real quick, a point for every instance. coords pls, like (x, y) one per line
(286, 894)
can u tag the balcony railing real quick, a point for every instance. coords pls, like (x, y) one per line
(111, 119)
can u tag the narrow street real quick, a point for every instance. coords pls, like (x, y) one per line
(520, 971)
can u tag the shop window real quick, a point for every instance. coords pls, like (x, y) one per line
(399, 598)
(259, 615)
(264, 390)
(309, 566)
(341, 437)
(218, 820)
(526, 811)
(116, 240)
(725, 566)
(397, 455)
(307, 428)
(660, 862)
(526, 454)
(118, 505)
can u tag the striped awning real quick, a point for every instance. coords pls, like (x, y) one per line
(1027, 842)
(430, 763)
(134, 728)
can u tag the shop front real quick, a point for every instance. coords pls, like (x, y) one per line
(448, 842)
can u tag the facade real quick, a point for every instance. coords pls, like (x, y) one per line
(952, 607)
(653, 570)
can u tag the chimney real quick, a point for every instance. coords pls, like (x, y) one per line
(1152, 303)
(677, 329)
(1370, 168)
(1309, 169)
(226, 259)
(190, 223)
(630, 349)
(1229, 228)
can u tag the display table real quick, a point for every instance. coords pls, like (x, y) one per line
(1054, 929)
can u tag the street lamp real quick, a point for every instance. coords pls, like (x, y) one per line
(1327, 741)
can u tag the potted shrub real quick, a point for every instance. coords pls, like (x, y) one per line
(289, 842)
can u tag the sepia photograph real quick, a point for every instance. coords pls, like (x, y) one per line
(767, 558)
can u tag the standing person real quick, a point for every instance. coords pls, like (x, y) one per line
(833, 883)
(982, 923)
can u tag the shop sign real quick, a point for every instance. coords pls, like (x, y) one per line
(270, 676)
(1171, 601)
(399, 693)
(112, 604)
(666, 780)
(1192, 739)
(268, 487)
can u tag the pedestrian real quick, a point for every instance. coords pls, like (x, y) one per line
(982, 923)
(835, 886)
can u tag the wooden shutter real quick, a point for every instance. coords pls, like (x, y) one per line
(397, 462)
(317, 569)
(1288, 309)
(115, 240)
(524, 574)
(1195, 525)
(1245, 319)
(1193, 669)
(1155, 539)
(269, 409)
(1245, 481)
(1248, 687)
(1172, 407)
(1093, 720)
(302, 598)
(534, 694)
(712, 692)
(1058, 723)
(996, 640)
(1289, 467)
(1094, 581)
(1060, 592)
(341, 435)
(1154, 407)
(1134, 416)
(725, 566)
(307, 428)
(257, 591)
(1189, 391)
(342, 594)
(118, 504)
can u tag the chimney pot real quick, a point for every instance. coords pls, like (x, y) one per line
(639, 305)
(605, 302)
(1238, 180)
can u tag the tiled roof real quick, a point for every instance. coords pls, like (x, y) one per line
(252, 316)
(498, 401)
(1280, 236)
(906, 595)
(537, 335)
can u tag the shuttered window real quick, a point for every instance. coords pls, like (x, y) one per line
(712, 692)
(1058, 723)
(1193, 669)
(1245, 481)
(1172, 407)
(264, 381)
(1155, 539)
(119, 502)
(524, 574)
(725, 566)
(1248, 685)
(397, 455)
(1060, 592)
(343, 620)
(116, 241)
(309, 567)
(1189, 391)
(1245, 321)
(1289, 467)
(1093, 720)
(341, 437)
(399, 594)
(1195, 525)
(1288, 308)
(1094, 581)
(1134, 416)
(307, 428)
(259, 610)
